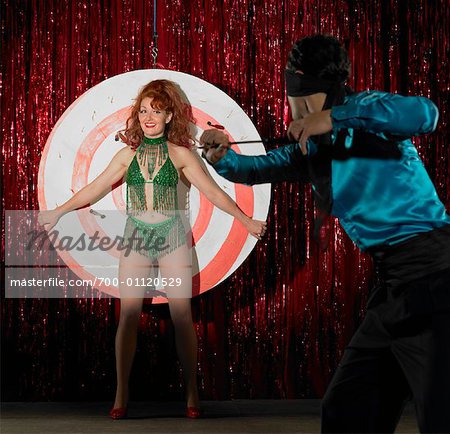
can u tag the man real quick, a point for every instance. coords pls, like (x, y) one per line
(355, 149)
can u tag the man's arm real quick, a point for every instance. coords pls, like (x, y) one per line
(382, 112)
(286, 163)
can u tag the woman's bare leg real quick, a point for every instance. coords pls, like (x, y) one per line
(177, 265)
(133, 267)
(186, 342)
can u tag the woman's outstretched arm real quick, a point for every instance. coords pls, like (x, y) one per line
(194, 172)
(92, 192)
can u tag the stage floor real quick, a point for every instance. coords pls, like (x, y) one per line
(237, 416)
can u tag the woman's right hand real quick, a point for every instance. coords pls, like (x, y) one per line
(49, 218)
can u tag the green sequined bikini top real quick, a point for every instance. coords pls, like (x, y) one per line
(152, 154)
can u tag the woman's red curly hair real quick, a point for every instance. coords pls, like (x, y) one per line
(166, 96)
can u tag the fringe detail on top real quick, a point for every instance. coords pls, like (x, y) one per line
(164, 183)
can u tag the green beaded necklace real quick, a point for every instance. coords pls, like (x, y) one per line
(151, 149)
(152, 153)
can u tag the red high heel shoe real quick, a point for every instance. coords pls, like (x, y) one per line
(194, 412)
(118, 413)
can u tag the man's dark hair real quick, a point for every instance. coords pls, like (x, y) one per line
(320, 56)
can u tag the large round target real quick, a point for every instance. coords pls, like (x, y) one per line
(83, 143)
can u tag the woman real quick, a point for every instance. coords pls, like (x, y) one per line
(159, 150)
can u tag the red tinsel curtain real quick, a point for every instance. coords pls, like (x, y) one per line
(278, 326)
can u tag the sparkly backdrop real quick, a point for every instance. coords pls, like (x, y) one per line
(277, 327)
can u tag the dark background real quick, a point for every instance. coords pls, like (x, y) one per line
(277, 327)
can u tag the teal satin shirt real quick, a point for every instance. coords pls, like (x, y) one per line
(377, 201)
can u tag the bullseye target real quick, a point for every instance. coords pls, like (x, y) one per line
(82, 144)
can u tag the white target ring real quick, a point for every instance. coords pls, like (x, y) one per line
(82, 144)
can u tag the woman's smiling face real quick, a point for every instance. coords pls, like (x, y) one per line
(153, 121)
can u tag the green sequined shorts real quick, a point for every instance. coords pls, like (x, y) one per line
(154, 240)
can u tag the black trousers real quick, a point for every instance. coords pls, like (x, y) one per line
(401, 348)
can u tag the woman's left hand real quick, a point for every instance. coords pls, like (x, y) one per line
(257, 228)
